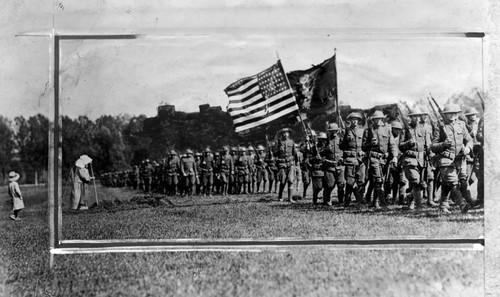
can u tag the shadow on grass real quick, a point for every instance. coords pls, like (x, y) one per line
(476, 215)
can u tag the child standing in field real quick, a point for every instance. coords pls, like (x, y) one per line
(15, 194)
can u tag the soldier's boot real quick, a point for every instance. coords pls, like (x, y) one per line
(417, 198)
(377, 199)
(359, 192)
(380, 194)
(291, 190)
(257, 190)
(460, 201)
(443, 200)
(281, 189)
(304, 191)
(464, 189)
(326, 196)
(340, 194)
(430, 194)
(315, 196)
(347, 194)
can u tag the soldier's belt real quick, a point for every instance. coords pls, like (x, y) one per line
(330, 169)
(448, 155)
(377, 155)
(411, 154)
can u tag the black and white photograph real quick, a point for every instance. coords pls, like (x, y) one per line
(243, 148)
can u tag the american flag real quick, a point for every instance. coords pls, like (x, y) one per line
(260, 99)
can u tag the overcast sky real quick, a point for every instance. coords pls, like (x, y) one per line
(191, 50)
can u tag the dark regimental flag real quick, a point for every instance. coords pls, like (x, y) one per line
(260, 99)
(316, 88)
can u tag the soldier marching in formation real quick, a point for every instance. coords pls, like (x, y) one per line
(401, 162)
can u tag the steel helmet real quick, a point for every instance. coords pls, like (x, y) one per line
(415, 112)
(333, 127)
(189, 151)
(322, 135)
(225, 148)
(250, 148)
(243, 149)
(396, 125)
(173, 152)
(207, 150)
(354, 115)
(471, 110)
(452, 108)
(377, 115)
(260, 147)
(285, 130)
(234, 149)
(216, 154)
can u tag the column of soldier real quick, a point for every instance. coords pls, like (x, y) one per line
(387, 163)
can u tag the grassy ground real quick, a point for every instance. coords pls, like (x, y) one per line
(297, 272)
(256, 216)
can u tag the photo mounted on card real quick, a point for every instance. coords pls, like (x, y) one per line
(234, 133)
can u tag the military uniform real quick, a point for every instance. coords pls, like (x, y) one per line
(189, 172)
(272, 170)
(207, 165)
(379, 144)
(305, 168)
(147, 176)
(252, 175)
(334, 170)
(286, 156)
(415, 148)
(242, 169)
(172, 168)
(317, 172)
(226, 169)
(260, 165)
(450, 142)
(354, 160)
(475, 163)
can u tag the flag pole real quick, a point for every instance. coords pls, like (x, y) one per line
(306, 131)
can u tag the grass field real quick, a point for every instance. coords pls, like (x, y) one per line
(295, 272)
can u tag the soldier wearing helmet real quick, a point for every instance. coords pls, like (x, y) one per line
(354, 158)
(226, 169)
(286, 156)
(475, 161)
(189, 173)
(242, 171)
(252, 175)
(416, 155)
(332, 165)
(316, 161)
(207, 165)
(233, 177)
(304, 163)
(272, 168)
(261, 170)
(452, 143)
(172, 169)
(395, 184)
(379, 144)
(147, 175)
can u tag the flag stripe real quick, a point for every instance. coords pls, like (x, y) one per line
(248, 101)
(242, 89)
(242, 97)
(262, 106)
(260, 99)
(286, 110)
(259, 103)
(236, 110)
(261, 112)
